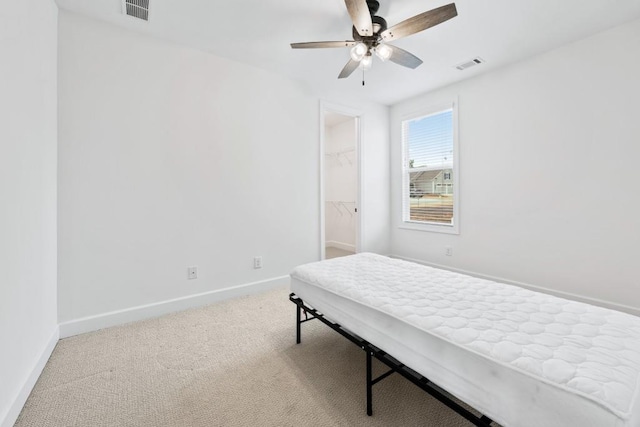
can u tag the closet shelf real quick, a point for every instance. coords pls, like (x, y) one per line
(336, 155)
(341, 205)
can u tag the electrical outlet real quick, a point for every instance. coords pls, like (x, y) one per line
(192, 273)
(257, 262)
(448, 251)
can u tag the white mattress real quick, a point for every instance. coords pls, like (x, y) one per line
(520, 357)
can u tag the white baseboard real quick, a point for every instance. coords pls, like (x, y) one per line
(567, 295)
(340, 245)
(148, 311)
(10, 417)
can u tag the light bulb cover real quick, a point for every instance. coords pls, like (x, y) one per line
(384, 52)
(366, 62)
(359, 51)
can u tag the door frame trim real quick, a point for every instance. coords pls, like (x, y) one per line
(331, 107)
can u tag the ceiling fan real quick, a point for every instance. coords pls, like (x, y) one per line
(370, 35)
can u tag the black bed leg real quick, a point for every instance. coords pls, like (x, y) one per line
(298, 310)
(369, 385)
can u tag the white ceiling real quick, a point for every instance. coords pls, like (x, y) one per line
(258, 32)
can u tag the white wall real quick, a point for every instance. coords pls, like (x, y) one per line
(341, 185)
(28, 324)
(172, 157)
(374, 212)
(549, 171)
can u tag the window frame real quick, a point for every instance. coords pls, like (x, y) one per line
(453, 228)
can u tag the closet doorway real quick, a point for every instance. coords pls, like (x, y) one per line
(341, 171)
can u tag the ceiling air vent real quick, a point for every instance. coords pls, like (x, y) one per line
(136, 8)
(468, 64)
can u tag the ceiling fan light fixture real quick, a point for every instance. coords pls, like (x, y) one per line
(366, 62)
(370, 32)
(359, 51)
(383, 52)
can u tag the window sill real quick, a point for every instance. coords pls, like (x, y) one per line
(417, 226)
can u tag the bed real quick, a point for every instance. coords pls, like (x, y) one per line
(519, 357)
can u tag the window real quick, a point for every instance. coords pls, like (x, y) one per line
(429, 193)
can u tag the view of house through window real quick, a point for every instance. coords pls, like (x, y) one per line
(428, 168)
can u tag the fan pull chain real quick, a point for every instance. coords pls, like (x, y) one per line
(363, 77)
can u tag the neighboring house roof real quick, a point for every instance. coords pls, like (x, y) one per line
(426, 175)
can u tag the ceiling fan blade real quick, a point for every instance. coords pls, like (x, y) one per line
(404, 58)
(420, 22)
(315, 45)
(359, 12)
(349, 68)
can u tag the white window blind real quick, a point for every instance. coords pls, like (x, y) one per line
(428, 168)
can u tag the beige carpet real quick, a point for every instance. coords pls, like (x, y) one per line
(229, 364)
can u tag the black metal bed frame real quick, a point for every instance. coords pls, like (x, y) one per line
(394, 365)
